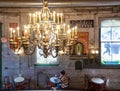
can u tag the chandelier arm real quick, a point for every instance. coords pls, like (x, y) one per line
(29, 50)
(55, 55)
(39, 46)
(45, 56)
(25, 51)
(70, 48)
(19, 49)
(46, 52)
(56, 51)
(41, 54)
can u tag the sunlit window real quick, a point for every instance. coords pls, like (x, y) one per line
(41, 60)
(110, 42)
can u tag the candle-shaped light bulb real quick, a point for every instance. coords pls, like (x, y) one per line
(13, 30)
(54, 15)
(44, 16)
(10, 32)
(58, 29)
(72, 32)
(39, 16)
(51, 17)
(48, 17)
(61, 15)
(24, 26)
(13, 33)
(75, 30)
(64, 25)
(69, 30)
(18, 31)
(25, 32)
(46, 32)
(34, 18)
(68, 33)
(30, 18)
(68, 26)
(58, 18)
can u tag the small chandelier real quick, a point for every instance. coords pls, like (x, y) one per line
(47, 31)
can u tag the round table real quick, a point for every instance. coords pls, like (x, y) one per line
(98, 84)
(19, 79)
(54, 80)
(97, 80)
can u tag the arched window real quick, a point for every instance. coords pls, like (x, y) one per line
(110, 42)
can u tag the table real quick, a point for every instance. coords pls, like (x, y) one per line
(19, 79)
(98, 84)
(55, 80)
(97, 80)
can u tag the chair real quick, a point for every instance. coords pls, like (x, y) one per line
(7, 83)
(49, 84)
(16, 86)
(68, 82)
(26, 84)
(67, 88)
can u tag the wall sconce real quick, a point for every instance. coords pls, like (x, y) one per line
(93, 52)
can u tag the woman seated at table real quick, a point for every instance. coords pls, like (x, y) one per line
(64, 80)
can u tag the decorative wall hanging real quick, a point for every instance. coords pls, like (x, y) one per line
(83, 38)
(82, 23)
(79, 48)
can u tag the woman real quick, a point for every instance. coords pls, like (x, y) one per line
(64, 80)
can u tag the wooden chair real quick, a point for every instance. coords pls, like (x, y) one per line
(68, 82)
(16, 86)
(68, 87)
(49, 84)
(7, 83)
(26, 84)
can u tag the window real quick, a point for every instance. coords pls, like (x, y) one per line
(110, 42)
(49, 61)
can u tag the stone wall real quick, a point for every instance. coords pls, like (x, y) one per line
(11, 63)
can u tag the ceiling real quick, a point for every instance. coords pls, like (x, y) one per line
(58, 3)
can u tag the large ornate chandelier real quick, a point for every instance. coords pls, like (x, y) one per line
(47, 31)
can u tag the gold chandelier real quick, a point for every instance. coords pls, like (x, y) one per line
(47, 31)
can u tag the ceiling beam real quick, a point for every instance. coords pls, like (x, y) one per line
(60, 4)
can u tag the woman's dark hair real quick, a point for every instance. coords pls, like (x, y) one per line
(62, 72)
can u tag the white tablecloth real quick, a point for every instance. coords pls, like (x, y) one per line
(19, 79)
(97, 80)
(54, 80)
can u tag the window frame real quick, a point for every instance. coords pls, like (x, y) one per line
(100, 22)
(96, 62)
